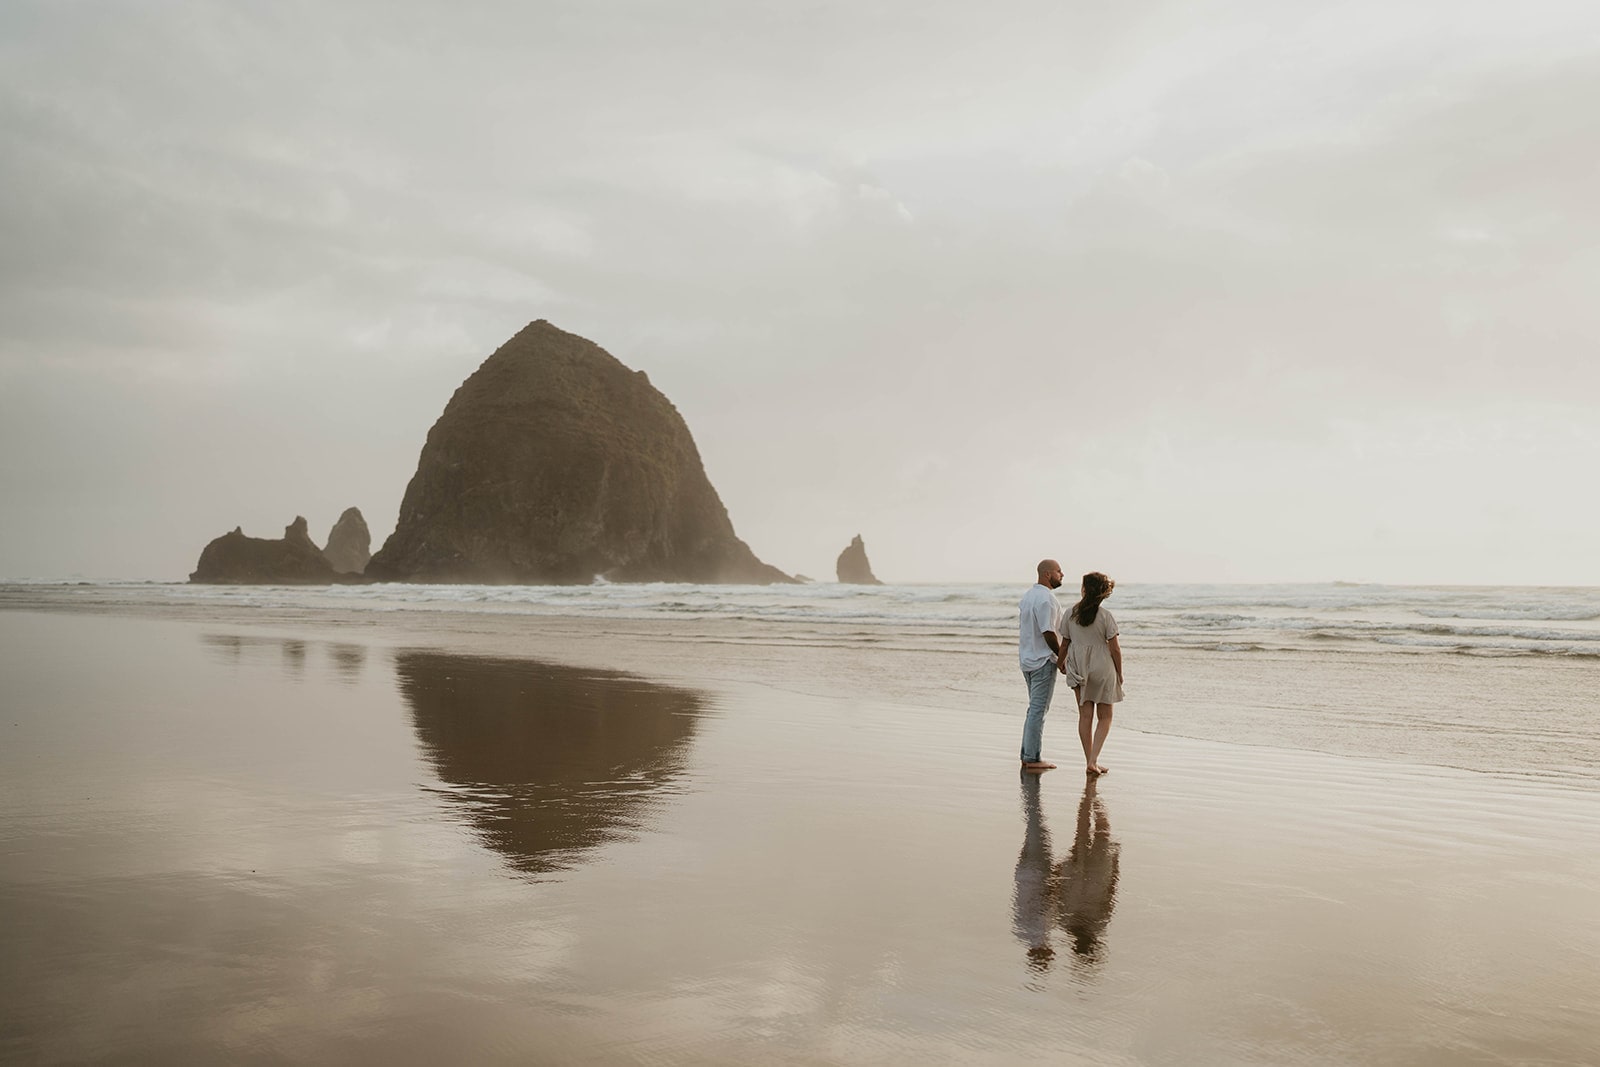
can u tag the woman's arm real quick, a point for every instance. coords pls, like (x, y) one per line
(1116, 656)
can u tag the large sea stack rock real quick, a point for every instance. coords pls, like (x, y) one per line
(349, 543)
(234, 559)
(853, 568)
(554, 463)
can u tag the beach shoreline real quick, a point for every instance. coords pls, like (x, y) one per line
(818, 863)
(1332, 698)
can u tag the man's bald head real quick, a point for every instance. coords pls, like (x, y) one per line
(1050, 573)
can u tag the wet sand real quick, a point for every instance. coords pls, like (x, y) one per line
(247, 839)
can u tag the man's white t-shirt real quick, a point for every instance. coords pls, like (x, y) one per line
(1040, 612)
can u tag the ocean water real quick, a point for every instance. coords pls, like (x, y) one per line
(1491, 621)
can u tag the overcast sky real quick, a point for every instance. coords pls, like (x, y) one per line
(1199, 291)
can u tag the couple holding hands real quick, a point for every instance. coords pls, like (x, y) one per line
(1080, 643)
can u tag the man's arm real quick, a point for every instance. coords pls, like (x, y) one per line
(1044, 619)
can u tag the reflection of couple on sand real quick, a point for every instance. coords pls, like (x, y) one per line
(1081, 644)
(1078, 894)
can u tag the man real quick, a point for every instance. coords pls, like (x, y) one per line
(1039, 648)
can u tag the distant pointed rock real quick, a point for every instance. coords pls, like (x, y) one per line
(298, 533)
(554, 463)
(234, 559)
(853, 568)
(349, 543)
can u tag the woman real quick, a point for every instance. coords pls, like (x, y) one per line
(1092, 661)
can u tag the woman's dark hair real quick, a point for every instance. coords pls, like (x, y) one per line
(1096, 587)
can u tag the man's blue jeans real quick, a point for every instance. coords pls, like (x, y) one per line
(1041, 687)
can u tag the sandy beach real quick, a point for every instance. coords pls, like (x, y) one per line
(303, 836)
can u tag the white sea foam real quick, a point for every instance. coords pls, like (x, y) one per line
(1507, 621)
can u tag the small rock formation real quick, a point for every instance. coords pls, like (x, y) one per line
(554, 463)
(853, 568)
(349, 543)
(234, 559)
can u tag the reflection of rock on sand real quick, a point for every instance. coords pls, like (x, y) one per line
(1088, 878)
(348, 660)
(544, 761)
(345, 659)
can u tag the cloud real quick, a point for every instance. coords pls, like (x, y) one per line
(858, 246)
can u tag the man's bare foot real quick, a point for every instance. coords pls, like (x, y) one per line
(1039, 765)
(1101, 768)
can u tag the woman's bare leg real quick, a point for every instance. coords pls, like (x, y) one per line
(1103, 727)
(1086, 734)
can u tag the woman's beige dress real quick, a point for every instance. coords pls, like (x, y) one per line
(1089, 659)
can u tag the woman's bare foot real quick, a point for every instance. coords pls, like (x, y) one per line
(1101, 768)
(1039, 765)
(1092, 770)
